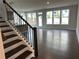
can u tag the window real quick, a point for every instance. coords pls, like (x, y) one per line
(28, 17)
(31, 18)
(65, 16)
(34, 19)
(57, 17)
(18, 20)
(23, 15)
(40, 18)
(40, 13)
(49, 17)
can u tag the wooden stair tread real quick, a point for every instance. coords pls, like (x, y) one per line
(24, 55)
(7, 31)
(4, 25)
(33, 58)
(15, 50)
(10, 36)
(12, 43)
(2, 21)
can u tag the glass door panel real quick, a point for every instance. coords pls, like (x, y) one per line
(39, 20)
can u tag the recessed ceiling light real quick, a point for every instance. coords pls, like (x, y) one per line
(47, 2)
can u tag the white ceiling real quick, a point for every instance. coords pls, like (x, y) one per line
(29, 5)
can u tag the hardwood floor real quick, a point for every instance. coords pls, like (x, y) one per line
(57, 44)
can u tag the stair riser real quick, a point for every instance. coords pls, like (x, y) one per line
(2, 21)
(9, 33)
(10, 36)
(12, 43)
(2, 24)
(5, 28)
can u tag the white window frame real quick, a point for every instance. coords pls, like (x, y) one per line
(68, 17)
(59, 17)
(51, 18)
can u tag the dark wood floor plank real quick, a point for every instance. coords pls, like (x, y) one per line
(57, 44)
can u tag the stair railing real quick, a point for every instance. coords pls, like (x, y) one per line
(23, 26)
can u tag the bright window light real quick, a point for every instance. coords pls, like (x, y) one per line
(57, 17)
(49, 17)
(65, 17)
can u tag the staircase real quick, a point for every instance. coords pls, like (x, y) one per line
(14, 46)
(17, 45)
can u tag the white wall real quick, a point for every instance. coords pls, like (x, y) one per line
(78, 24)
(2, 10)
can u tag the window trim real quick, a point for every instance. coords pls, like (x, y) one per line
(60, 16)
(52, 17)
(68, 16)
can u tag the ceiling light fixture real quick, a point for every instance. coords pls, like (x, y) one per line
(47, 2)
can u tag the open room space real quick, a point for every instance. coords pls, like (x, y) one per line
(57, 44)
(39, 29)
